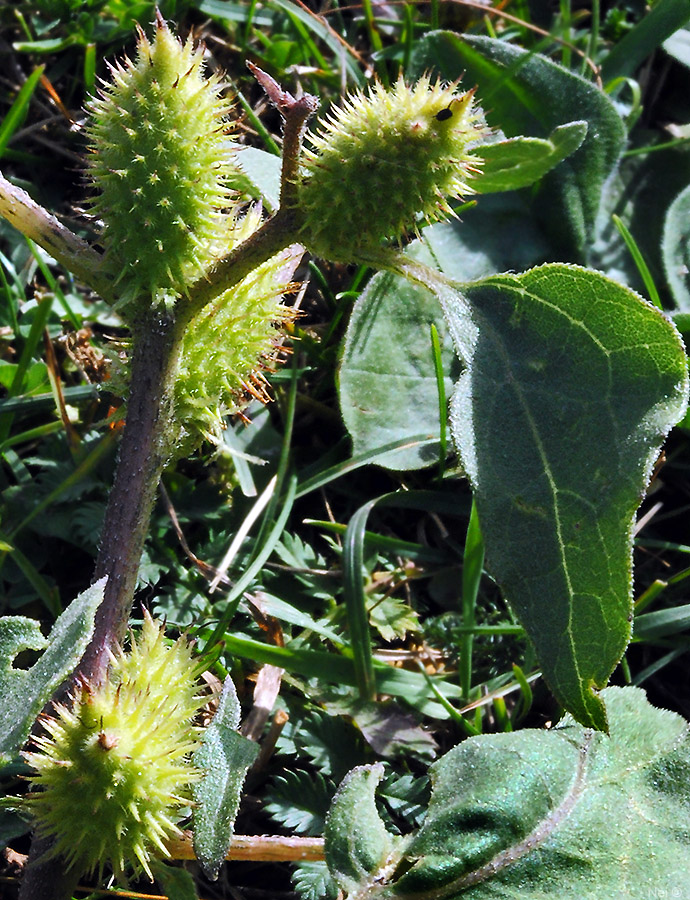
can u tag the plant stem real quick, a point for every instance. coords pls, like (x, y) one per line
(145, 450)
(46, 878)
(274, 235)
(257, 847)
(148, 438)
(63, 245)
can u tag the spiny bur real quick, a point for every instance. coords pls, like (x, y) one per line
(113, 766)
(231, 342)
(159, 165)
(383, 161)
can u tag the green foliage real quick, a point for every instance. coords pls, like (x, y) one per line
(529, 94)
(564, 346)
(312, 881)
(564, 812)
(392, 313)
(224, 756)
(25, 692)
(421, 631)
(518, 162)
(300, 801)
(676, 249)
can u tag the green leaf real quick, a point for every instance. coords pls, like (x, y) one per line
(312, 881)
(262, 173)
(358, 847)
(520, 161)
(299, 801)
(564, 813)
(11, 826)
(388, 354)
(391, 731)
(323, 32)
(676, 249)
(526, 94)
(662, 623)
(572, 382)
(15, 116)
(224, 755)
(392, 617)
(25, 692)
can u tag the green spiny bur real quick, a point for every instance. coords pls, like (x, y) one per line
(383, 159)
(160, 157)
(229, 343)
(114, 767)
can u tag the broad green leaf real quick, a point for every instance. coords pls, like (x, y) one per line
(387, 350)
(524, 93)
(25, 692)
(676, 249)
(358, 846)
(572, 382)
(224, 755)
(640, 192)
(532, 815)
(388, 387)
(520, 161)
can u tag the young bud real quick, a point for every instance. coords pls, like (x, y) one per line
(159, 166)
(381, 161)
(114, 766)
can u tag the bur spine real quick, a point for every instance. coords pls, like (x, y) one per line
(385, 161)
(112, 766)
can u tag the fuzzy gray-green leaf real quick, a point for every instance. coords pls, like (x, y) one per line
(520, 161)
(572, 382)
(676, 249)
(564, 813)
(359, 849)
(25, 692)
(224, 755)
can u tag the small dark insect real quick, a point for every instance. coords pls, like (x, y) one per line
(444, 114)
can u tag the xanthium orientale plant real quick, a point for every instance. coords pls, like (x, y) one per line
(161, 165)
(198, 277)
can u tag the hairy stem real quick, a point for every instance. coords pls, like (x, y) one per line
(63, 245)
(45, 877)
(144, 451)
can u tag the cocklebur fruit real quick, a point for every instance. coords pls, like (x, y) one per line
(159, 165)
(113, 766)
(384, 160)
(226, 348)
(231, 342)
